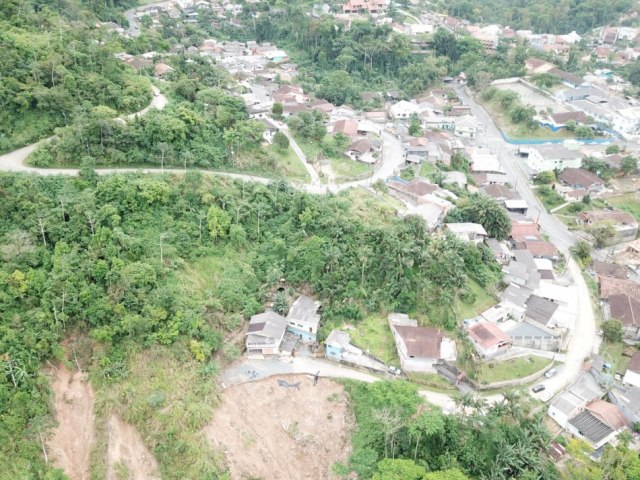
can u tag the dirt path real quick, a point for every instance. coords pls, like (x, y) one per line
(70, 445)
(128, 453)
(267, 431)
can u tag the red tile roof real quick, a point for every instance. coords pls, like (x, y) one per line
(609, 413)
(634, 363)
(613, 286)
(421, 342)
(541, 249)
(521, 232)
(487, 334)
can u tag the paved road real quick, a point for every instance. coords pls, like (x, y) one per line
(15, 161)
(247, 370)
(583, 335)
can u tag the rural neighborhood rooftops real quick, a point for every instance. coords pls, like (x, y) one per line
(584, 390)
(564, 117)
(347, 126)
(416, 187)
(338, 337)
(541, 248)
(540, 309)
(608, 413)
(499, 192)
(305, 310)
(612, 286)
(521, 232)
(364, 145)
(580, 178)
(421, 342)
(466, 227)
(609, 269)
(487, 334)
(557, 152)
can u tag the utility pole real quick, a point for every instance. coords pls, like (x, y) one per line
(163, 235)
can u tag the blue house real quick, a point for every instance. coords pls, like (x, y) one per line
(303, 318)
(336, 345)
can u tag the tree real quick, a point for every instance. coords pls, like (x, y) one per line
(629, 165)
(219, 222)
(582, 252)
(545, 177)
(451, 474)
(613, 148)
(398, 469)
(281, 141)
(277, 110)
(281, 303)
(602, 233)
(484, 210)
(612, 330)
(415, 128)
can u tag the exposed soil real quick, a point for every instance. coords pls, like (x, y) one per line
(270, 432)
(127, 452)
(70, 445)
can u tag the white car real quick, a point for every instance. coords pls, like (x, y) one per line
(551, 372)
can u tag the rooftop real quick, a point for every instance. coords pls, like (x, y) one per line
(634, 363)
(487, 334)
(580, 177)
(421, 342)
(305, 310)
(540, 309)
(612, 286)
(609, 269)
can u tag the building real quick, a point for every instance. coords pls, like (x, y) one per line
(419, 348)
(403, 110)
(466, 127)
(467, 232)
(553, 157)
(607, 269)
(363, 150)
(574, 399)
(270, 129)
(598, 424)
(304, 317)
(265, 333)
(488, 339)
(624, 225)
(578, 178)
(609, 286)
(411, 191)
(632, 375)
(338, 347)
(346, 126)
(628, 401)
(626, 310)
(536, 66)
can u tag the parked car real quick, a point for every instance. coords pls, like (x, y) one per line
(551, 372)
(538, 388)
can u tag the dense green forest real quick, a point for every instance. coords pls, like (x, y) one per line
(103, 256)
(548, 16)
(56, 66)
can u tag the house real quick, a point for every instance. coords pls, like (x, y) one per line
(522, 232)
(536, 66)
(431, 209)
(161, 70)
(516, 205)
(338, 347)
(609, 269)
(466, 127)
(265, 333)
(347, 126)
(567, 78)
(574, 399)
(403, 110)
(456, 178)
(531, 335)
(632, 375)
(411, 191)
(419, 348)
(580, 179)
(270, 129)
(560, 120)
(540, 249)
(540, 311)
(501, 252)
(467, 232)
(628, 401)
(363, 150)
(553, 157)
(598, 424)
(485, 163)
(626, 310)
(499, 192)
(488, 339)
(304, 317)
(624, 225)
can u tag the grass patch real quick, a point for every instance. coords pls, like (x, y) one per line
(484, 300)
(612, 353)
(549, 197)
(629, 202)
(510, 369)
(427, 170)
(374, 335)
(346, 169)
(290, 164)
(431, 380)
(377, 209)
(168, 401)
(516, 130)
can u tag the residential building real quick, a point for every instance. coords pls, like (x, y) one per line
(560, 120)
(632, 375)
(270, 129)
(624, 225)
(609, 269)
(363, 150)
(431, 209)
(499, 192)
(531, 335)
(411, 191)
(265, 333)
(500, 250)
(466, 127)
(574, 399)
(553, 157)
(304, 317)
(347, 126)
(598, 424)
(467, 232)
(609, 286)
(626, 310)
(516, 205)
(403, 110)
(419, 348)
(488, 339)
(536, 66)
(628, 401)
(578, 178)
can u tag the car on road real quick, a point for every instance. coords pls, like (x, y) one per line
(538, 388)
(551, 372)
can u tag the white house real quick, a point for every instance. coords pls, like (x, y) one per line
(632, 376)
(403, 110)
(574, 399)
(466, 127)
(598, 424)
(419, 348)
(488, 339)
(553, 157)
(468, 232)
(304, 317)
(265, 333)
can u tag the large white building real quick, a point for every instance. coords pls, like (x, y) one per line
(553, 157)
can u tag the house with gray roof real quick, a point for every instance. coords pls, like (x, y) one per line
(540, 311)
(598, 424)
(304, 317)
(573, 400)
(265, 333)
(628, 401)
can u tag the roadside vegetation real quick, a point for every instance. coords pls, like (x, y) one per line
(498, 371)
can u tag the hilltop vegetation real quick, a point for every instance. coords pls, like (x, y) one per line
(57, 66)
